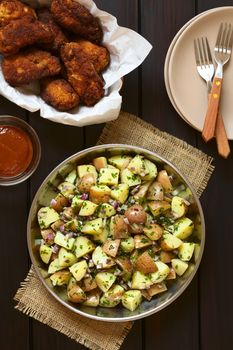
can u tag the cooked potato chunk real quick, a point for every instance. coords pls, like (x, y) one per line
(54, 266)
(76, 294)
(83, 246)
(140, 280)
(86, 169)
(141, 193)
(155, 192)
(71, 177)
(158, 207)
(67, 189)
(102, 236)
(79, 270)
(152, 170)
(88, 208)
(145, 263)
(64, 241)
(118, 227)
(178, 207)
(105, 280)
(156, 289)
(120, 193)
(86, 182)
(136, 214)
(47, 216)
(153, 231)
(89, 283)
(137, 166)
(76, 203)
(101, 259)
(100, 162)
(127, 244)
(141, 241)
(59, 202)
(111, 247)
(170, 242)
(166, 257)
(66, 258)
(132, 299)
(186, 251)
(164, 179)
(100, 194)
(129, 178)
(183, 228)
(60, 278)
(93, 227)
(106, 210)
(161, 273)
(108, 176)
(120, 161)
(179, 266)
(45, 253)
(112, 297)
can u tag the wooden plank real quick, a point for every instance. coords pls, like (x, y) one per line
(160, 20)
(14, 327)
(58, 142)
(216, 282)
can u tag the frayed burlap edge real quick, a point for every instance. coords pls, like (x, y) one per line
(93, 334)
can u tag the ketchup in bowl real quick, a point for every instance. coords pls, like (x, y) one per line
(15, 151)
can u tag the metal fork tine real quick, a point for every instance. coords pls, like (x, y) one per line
(197, 57)
(200, 51)
(218, 40)
(204, 51)
(208, 51)
(230, 42)
(226, 37)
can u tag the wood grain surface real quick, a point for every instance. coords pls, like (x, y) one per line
(202, 318)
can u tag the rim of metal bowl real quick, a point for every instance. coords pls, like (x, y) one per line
(146, 313)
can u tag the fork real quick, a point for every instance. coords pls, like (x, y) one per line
(205, 68)
(222, 53)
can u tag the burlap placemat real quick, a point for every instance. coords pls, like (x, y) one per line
(34, 300)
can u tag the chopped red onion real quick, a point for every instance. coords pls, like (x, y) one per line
(126, 221)
(62, 228)
(90, 264)
(104, 222)
(87, 275)
(69, 235)
(114, 203)
(186, 202)
(84, 196)
(55, 248)
(53, 202)
(99, 266)
(86, 257)
(50, 236)
(135, 189)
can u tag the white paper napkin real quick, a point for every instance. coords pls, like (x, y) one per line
(127, 49)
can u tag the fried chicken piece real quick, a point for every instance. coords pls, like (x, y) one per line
(59, 94)
(23, 32)
(82, 75)
(73, 16)
(29, 65)
(46, 17)
(98, 55)
(11, 10)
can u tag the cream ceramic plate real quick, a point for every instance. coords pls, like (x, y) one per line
(188, 90)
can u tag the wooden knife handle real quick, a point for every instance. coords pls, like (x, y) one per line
(208, 131)
(221, 137)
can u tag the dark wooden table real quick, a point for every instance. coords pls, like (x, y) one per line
(202, 318)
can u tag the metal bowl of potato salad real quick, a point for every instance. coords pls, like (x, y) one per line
(116, 233)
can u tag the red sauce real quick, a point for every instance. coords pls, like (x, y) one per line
(15, 151)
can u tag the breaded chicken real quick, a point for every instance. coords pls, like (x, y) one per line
(29, 65)
(23, 32)
(46, 17)
(14, 9)
(82, 76)
(59, 94)
(98, 55)
(73, 16)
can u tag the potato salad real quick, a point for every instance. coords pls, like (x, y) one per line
(118, 231)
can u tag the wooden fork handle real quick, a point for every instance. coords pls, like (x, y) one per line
(221, 138)
(208, 131)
